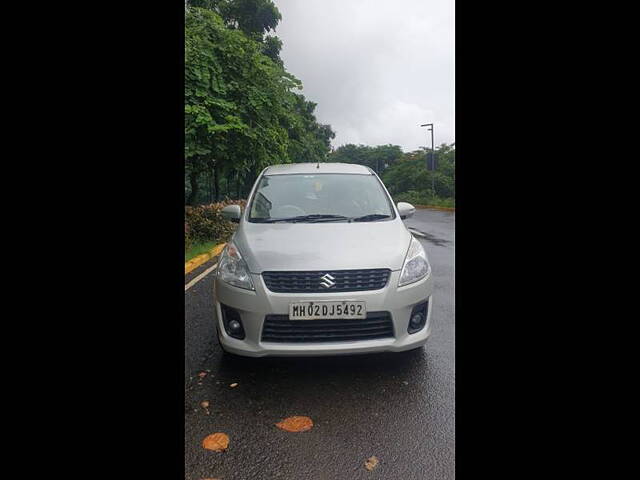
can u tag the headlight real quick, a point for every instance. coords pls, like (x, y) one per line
(416, 265)
(233, 269)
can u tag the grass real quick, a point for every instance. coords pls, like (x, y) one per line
(198, 249)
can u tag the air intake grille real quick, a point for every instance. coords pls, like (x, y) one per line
(312, 282)
(278, 328)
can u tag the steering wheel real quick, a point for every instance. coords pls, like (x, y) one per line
(284, 211)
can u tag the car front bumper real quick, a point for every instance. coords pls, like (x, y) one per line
(253, 306)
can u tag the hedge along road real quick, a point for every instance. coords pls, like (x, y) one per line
(397, 407)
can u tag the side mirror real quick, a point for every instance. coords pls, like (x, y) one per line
(231, 213)
(406, 210)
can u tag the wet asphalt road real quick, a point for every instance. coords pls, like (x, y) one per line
(398, 407)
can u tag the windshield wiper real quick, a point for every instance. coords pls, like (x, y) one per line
(370, 217)
(313, 218)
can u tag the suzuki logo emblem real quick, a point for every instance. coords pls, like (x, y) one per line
(327, 281)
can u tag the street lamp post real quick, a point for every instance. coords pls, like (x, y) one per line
(433, 158)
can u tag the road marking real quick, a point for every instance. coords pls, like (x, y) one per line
(200, 277)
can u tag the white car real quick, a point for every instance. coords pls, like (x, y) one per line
(321, 264)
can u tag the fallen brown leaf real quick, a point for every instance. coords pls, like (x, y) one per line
(295, 424)
(202, 374)
(233, 385)
(218, 442)
(204, 404)
(371, 463)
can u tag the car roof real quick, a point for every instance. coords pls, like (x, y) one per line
(315, 168)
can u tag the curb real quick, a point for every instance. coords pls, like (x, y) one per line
(433, 207)
(195, 262)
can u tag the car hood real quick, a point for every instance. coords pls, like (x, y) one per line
(323, 245)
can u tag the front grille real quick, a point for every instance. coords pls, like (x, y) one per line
(278, 328)
(312, 282)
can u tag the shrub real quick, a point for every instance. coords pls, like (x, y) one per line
(423, 198)
(188, 241)
(206, 223)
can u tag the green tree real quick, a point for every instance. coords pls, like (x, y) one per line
(242, 111)
(309, 140)
(253, 17)
(410, 174)
(377, 158)
(210, 113)
(272, 47)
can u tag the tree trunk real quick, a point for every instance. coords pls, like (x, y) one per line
(250, 180)
(216, 182)
(193, 180)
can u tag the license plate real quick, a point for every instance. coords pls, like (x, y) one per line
(328, 310)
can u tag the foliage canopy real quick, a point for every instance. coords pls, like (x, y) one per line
(242, 108)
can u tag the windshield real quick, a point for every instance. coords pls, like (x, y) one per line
(321, 197)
